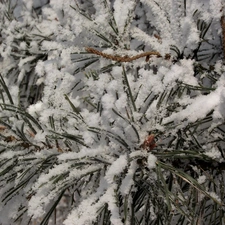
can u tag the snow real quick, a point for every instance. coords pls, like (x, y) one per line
(92, 151)
(201, 179)
(151, 161)
(83, 152)
(215, 8)
(128, 180)
(116, 168)
(108, 101)
(83, 216)
(125, 6)
(193, 112)
(214, 153)
(35, 108)
(163, 48)
(215, 196)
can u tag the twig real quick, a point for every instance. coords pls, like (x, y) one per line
(223, 33)
(125, 58)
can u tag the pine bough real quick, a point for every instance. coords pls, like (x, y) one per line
(112, 112)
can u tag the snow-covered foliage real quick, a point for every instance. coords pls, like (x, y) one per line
(112, 112)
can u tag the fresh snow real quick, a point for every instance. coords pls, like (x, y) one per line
(73, 122)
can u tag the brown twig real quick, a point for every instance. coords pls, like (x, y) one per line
(223, 33)
(125, 58)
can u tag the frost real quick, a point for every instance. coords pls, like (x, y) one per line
(116, 168)
(219, 67)
(215, 196)
(36, 108)
(151, 161)
(183, 73)
(201, 179)
(7, 155)
(125, 6)
(197, 109)
(73, 123)
(108, 101)
(128, 180)
(83, 152)
(215, 8)
(213, 153)
(40, 68)
(151, 41)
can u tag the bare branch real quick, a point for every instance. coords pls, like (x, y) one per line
(125, 58)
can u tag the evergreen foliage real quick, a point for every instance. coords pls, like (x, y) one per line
(112, 112)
